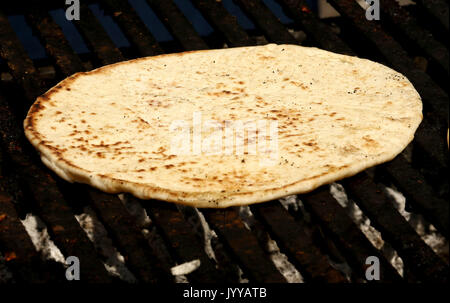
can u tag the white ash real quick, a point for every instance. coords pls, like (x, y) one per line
(185, 268)
(114, 262)
(297, 34)
(242, 278)
(373, 235)
(37, 230)
(200, 227)
(294, 204)
(290, 202)
(282, 263)
(212, 245)
(424, 229)
(150, 233)
(438, 243)
(136, 210)
(157, 243)
(280, 260)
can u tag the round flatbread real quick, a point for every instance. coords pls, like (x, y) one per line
(219, 128)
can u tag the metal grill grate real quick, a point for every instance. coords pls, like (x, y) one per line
(311, 244)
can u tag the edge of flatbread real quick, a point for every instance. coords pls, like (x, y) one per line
(72, 173)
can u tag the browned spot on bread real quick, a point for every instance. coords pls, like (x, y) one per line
(36, 108)
(299, 84)
(310, 143)
(369, 142)
(262, 57)
(142, 122)
(44, 97)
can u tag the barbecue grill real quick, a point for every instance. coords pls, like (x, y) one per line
(315, 237)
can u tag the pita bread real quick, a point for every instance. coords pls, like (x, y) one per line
(333, 116)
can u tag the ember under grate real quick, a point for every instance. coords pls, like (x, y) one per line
(315, 237)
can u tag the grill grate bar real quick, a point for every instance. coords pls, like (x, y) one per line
(97, 38)
(54, 41)
(182, 240)
(18, 249)
(297, 242)
(179, 26)
(71, 239)
(227, 24)
(406, 23)
(429, 137)
(417, 256)
(319, 31)
(128, 236)
(133, 28)
(351, 240)
(65, 230)
(228, 224)
(266, 20)
(19, 63)
(438, 9)
(420, 194)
